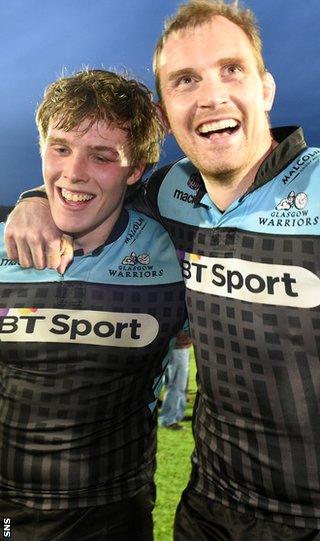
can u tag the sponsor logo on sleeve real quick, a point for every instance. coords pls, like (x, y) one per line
(280, 285)
(300, 164)
(186, 197)
(4, 262)
(194, 182)
(135, 231)
(77, 327)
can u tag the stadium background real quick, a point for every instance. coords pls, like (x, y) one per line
(40, 39)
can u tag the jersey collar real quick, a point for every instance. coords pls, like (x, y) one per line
(115, 234)
(291, 143)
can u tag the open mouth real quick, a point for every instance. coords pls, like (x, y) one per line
(218, 127)
(75, 197)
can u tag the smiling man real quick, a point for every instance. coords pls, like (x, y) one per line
(252, 276)
(243, 210)
(82, 354)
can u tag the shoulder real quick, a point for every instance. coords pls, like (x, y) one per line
(143, 227)
(182, 166)
(164, 182)
(146, 235)
(143, 255)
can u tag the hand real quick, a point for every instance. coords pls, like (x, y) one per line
(32, 238)
(66, 253)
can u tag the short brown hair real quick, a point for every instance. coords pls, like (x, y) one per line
(198, 12)
(104, 95)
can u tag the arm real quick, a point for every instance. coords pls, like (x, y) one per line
(144, 197)
(32, 238)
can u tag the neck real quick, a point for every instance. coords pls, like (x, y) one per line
(226, 188)
(97, 236)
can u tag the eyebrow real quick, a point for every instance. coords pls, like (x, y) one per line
(190, 70)
(236, 59)
(96, 148)
(180, 73)
(56, 140)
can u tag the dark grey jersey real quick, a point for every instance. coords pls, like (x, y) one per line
(81, 358)
(253, 296)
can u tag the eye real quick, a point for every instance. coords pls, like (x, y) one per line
(101, 158)
(232, 69)
(184, 81)
(61, 150)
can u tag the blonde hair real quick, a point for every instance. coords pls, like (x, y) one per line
(101, 95)
(198, 12)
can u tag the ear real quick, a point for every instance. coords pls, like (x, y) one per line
(136, 174)
(269, 90)
(163, 116)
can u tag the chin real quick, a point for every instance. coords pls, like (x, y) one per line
(220, 170)
(66, 227)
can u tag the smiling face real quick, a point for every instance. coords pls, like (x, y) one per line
(86, 175)
(215, 100)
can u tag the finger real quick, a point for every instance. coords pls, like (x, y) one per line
(53, 260)
(10, 243)
(58, 249)
(11, 248)
(66, 246)
(64, 262)
(67, 253)
(38, 255)
(53, 253)
(24, 254)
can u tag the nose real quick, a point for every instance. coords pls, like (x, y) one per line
(75, 169)
(212, 92)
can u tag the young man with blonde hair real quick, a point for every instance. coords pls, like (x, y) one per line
(82, 353)
(243, 210)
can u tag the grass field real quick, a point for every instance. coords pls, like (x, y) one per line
(173, 458)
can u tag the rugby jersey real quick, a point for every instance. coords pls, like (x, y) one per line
(253, 296)
(81, 360)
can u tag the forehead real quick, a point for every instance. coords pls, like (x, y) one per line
(214, 39)
(87, 132)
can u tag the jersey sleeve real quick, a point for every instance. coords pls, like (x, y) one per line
(146, 198)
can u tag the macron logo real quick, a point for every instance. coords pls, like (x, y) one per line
(184, 196)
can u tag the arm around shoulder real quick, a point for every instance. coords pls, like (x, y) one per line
(31, 236)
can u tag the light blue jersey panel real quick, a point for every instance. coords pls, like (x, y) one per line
(143, 254)
(289, 204)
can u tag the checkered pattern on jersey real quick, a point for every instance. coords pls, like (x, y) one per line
(259, 379)
(76, 429)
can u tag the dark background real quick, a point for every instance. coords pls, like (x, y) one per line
(39, 39)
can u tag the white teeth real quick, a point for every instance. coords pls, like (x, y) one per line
(75, 197)
(218, 125)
